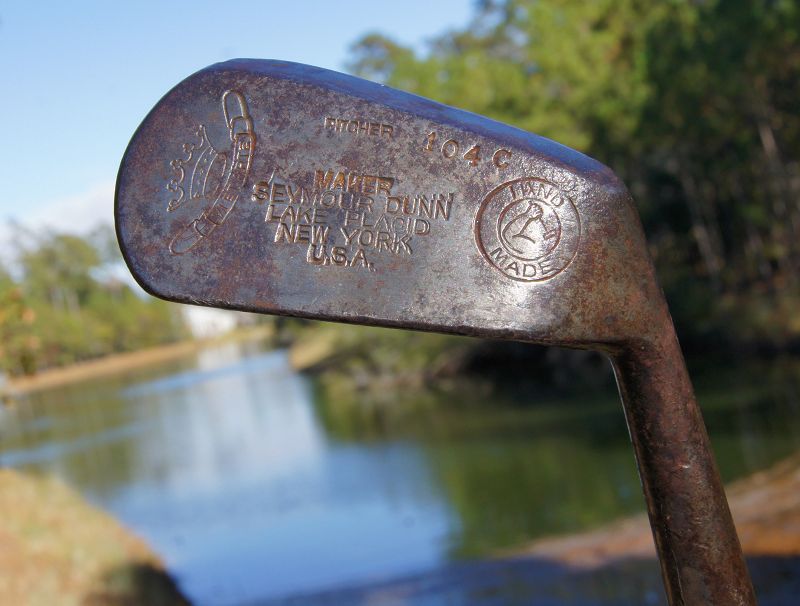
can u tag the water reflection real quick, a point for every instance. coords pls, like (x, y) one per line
(255, 421)
(251, 488)
(224, 468)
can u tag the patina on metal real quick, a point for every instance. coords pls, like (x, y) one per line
(280, 188)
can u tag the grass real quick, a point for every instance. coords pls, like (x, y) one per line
(57, 549)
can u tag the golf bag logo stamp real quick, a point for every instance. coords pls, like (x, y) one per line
(528, 229)
(215, 177)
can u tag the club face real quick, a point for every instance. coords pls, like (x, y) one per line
(285, 189)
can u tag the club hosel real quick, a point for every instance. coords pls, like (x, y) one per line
(701, 558)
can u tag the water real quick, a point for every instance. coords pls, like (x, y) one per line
(251, 489)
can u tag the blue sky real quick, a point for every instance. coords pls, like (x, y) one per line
(78, 77)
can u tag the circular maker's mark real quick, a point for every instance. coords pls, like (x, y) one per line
(528, 229)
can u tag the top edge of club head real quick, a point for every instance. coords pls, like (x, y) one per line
(281, 188)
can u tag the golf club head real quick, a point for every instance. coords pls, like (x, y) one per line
(280, 188)
(285, 189)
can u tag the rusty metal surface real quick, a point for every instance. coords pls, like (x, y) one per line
(281, 188)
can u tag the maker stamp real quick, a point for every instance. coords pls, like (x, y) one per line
(528, 229)
(216, 176)
(349, 218)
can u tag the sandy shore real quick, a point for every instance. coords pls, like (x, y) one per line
(116, 363)
(57, 549)
(765, 507)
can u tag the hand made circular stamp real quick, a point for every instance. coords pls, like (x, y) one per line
(528, 228)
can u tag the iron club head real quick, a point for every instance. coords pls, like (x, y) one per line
(280, 188)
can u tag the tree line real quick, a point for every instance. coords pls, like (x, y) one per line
(64, 301)
(693, 104)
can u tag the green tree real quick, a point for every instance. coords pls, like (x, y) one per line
(58, 270)
(18, 345)
(694, 104)
(70, 305)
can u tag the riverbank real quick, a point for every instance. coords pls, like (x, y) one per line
(57, 549)
(765, 508)
(116, 363)
(615, 565)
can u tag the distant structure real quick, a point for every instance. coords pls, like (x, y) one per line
(205, 322)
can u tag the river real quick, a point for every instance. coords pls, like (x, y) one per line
(236, 472)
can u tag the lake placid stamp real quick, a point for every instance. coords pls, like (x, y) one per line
(215, 177)
(528, 229)
(356, 219)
